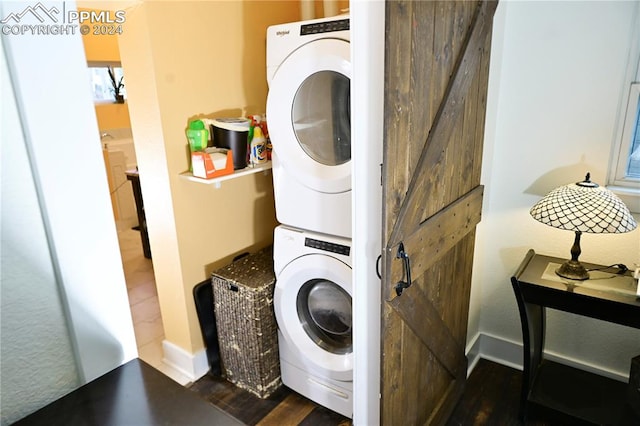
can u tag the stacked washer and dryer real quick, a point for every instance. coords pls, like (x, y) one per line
(309, 114)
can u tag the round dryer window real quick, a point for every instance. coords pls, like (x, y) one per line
(321, 117)
(324, 310)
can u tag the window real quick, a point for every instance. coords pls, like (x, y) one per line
(627, 166)
(633, 167)
(102, 86)
(624, 170)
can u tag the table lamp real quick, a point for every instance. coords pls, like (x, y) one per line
(582, 207)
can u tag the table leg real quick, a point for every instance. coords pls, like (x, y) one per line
(142, 220)
(532, 317)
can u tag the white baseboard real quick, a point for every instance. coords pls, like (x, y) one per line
(193, 366)
(473, 353)
(492, 348)
(509, 353)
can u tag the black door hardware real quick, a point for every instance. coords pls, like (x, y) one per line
(406, 270)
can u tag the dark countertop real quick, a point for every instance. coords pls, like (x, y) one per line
(132, 394)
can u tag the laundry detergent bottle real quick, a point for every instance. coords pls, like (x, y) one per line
(258, 147)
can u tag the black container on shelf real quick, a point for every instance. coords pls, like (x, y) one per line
(232, 133)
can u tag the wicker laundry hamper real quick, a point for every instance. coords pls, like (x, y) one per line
(247, 330)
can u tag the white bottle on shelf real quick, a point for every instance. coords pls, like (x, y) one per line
(258, 147)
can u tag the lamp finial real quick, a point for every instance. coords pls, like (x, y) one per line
(586, 183)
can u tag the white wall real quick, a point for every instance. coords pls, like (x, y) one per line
(29, 288)
(555, 85)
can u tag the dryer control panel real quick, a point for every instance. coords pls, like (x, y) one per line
(327, 246)
(324, 27)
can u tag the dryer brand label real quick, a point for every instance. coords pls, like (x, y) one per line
(282, 33)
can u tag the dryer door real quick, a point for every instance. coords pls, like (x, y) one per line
(312, 303)
(309, 115)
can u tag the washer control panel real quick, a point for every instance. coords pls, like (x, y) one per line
(327, 246)
(324, 27)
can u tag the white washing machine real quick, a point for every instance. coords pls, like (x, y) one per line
(309, 116)
(312, 303)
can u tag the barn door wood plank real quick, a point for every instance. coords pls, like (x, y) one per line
(422, 105)
(444, 125)
(398, 69)
(425, 322)
(483, 77)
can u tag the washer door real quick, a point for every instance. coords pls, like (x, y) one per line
(312, 303)
(309, 115)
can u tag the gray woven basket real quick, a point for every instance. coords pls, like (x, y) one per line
(247, 330)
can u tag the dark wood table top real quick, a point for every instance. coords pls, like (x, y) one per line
(132, 394)
(605, 295)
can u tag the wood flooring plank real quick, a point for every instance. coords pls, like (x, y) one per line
(492, 398)
(290, 412)
(321, 416)
(238, 402)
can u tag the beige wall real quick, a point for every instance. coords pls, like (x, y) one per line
(184, 59)
(112, 116)
(101, 47)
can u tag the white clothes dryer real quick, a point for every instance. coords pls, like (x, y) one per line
(309, 116)
(312, 303)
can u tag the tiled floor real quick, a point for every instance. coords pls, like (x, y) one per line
(143, 299)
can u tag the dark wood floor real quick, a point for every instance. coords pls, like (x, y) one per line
(491, 398)
(282, 408)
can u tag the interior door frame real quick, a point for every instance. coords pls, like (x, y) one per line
(367, 98)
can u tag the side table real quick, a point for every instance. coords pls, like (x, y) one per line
(567, 394)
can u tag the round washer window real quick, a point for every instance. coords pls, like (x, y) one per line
(324, 309)
(321, 117)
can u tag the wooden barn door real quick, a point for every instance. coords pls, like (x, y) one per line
(436, 71)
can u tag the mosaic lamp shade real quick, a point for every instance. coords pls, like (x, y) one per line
(582, 207)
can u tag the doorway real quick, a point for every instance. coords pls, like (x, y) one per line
(120, 162)
(121, 167)
(115, 128)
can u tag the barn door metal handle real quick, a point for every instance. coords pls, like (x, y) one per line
(406, 270)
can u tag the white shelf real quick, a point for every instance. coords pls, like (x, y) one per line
(236, 174)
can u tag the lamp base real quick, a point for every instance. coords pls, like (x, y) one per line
(573, 270)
